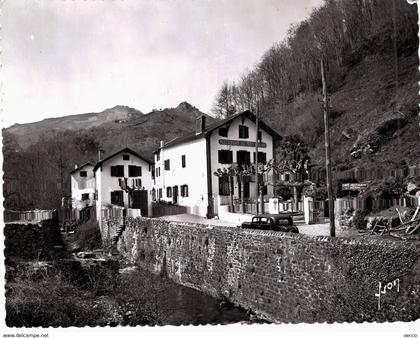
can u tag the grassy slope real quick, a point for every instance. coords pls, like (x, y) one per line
(366, 96)
(118, 127)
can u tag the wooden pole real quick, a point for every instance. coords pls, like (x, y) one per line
(327, 151)
(256, 159)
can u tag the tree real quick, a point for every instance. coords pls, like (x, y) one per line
(263, 170)
(293, 159)
(224, 105)
(228, 173)
(241, 171)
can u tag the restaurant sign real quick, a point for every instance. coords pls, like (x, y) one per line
(242, 143)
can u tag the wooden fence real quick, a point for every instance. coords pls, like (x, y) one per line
(159, 209)
(357, 203)
(29, 215)
(360, 174)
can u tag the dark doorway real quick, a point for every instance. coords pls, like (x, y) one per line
(175, 194)
(246, 189)
(140, 201)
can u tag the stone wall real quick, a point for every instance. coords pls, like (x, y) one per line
(282, 277)
(31, 241)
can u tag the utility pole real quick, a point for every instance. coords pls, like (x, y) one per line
(327, 151)
(256, 157)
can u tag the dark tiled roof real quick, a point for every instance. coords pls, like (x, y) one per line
(78, 168)
(193, 135)
(125, 150)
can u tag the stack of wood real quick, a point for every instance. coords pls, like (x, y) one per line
(406, 230)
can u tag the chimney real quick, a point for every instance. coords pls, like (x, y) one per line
(200, 124)
(161, 144)
(75, 166)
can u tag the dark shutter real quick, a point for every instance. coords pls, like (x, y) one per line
(134, 171)
(167, 165)
(223, 132)
(224, 186)
(117, 171)
(183, 161)
(225, 156)
(243, 132)
(243, 157)
(262, 157)
(117, 197)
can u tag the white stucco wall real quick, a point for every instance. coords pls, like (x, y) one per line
(82, 185)
(107, 183)
(194, 174)
(233, 134)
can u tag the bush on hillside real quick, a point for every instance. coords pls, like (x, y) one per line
(88, 236)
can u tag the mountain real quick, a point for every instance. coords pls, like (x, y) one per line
(144, 132)
(38, 157)
(28, 133)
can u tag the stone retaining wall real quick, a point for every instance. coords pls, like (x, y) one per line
(283, 277)
(31, 241)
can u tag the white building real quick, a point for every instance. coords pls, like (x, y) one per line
(124, 169)
(82, 189)
(184, 167)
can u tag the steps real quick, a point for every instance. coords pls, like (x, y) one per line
(118, 233)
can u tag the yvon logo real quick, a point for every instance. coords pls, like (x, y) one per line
(395, 284)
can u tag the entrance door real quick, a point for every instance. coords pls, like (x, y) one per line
(246, 190)
(175, 195)
(140, 201)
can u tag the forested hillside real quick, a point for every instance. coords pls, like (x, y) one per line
(37, 169)
(370, 48)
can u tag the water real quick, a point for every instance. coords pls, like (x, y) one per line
(161, 301)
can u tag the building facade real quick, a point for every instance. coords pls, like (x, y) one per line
(82, 189)
(123, 180)
(184, 167)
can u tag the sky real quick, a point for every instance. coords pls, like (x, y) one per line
(62, 57)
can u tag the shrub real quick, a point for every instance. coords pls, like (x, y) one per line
(49, 301)
(283, 191)
(88, 235)
(358, 220)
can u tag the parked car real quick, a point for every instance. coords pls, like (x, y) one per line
(278, 222)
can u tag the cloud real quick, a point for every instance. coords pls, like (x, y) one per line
(67, 57)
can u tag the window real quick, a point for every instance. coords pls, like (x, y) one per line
(183, 161)
(160, 193)
(243, 157)
(134, 171)
(158, 156)
(259, 136)
(225, 156)
(137, 183)
(262, 157)
(243, 132)
(168, 192)
(153, 173)
(264, 190)
(117, 197)
(224, 186)
(85, 197)
(184, 190)
(223, 131)
(126, 157)
(83, 173)
(117, 171)
(167, 165)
